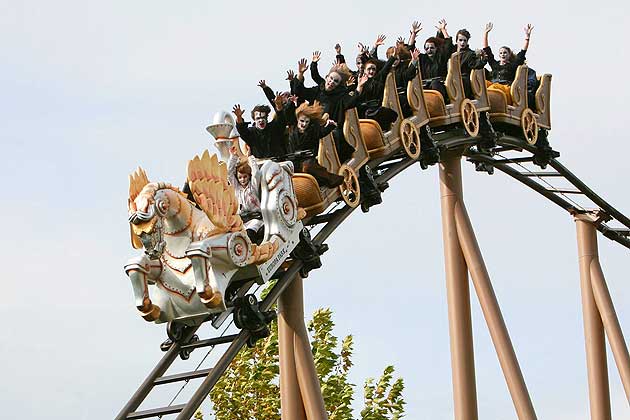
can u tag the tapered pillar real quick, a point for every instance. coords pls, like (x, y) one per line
(492, 314)
(300, 392)
(599, 318)
(599, 394)
(458, 295)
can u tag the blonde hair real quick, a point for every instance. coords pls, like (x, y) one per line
(314, 112)
(342, 70)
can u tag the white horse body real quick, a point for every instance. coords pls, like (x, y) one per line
(191, 255)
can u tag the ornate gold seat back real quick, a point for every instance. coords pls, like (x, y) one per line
(416, 99)
(327, 154)
(518, 89)
(453, 82)
(543, 101)
(478, 83)
(390, 100)
(352, 133)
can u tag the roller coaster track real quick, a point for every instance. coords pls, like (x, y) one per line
(387, 169)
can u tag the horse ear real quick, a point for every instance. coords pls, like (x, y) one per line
(135, 239)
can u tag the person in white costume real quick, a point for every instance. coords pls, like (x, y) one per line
(244, 175)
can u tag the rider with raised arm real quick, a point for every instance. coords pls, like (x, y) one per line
(244, 176)
(305, 135)
(335, 99)
(434, 61)
(371, 97)
(469, 60)
(362, 57)
(265, 139)
(504, 70)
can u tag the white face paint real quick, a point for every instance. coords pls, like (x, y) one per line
(332, 80)
(303, 123)
(260, 119)
(504, 55)
(429, 49)
(462, 41)
(370, 70)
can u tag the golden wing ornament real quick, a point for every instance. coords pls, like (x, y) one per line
(207, 179)
(137, 181)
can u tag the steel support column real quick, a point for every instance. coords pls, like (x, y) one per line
(300, 392)
(458, 233)
(492, 314)
(596, 365)
(458, 295)
(600, 319)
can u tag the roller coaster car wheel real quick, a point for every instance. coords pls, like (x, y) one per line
(185, 354)
(175, 331)
(350, 189)
(470, 117)
(529, 126)
(410, 139)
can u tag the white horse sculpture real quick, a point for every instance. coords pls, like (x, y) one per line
(190, 254)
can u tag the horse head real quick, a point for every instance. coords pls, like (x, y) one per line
(149, 205)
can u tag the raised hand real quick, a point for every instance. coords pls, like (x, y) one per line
(290, 75)
(489, 27)
(362, 48)
(238, 111)
(528, 30)
(362, 81)
(262, 84)
(415, 54)
(337, 48)
(294, 99)
(351, 81)
(380, 40)
(416, 27)
(302, 65)
(441, 26)
(316, 56)
(400, 40)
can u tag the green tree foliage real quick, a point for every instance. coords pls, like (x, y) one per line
(249, 388)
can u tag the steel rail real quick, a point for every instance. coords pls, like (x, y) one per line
(573, 179)
(610, 233)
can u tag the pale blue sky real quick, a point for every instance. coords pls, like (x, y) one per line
(93, 89)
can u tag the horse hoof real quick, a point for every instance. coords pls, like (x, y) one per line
(151, 315)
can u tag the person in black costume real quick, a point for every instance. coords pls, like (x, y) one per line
(265, 139)
(371, 98)
(305, 136)
(470, 60)
(434, 61)
(405, 69)
(504, 70)
(335, 99)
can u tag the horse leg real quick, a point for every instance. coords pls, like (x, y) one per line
(200, 254)
(138, 269)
